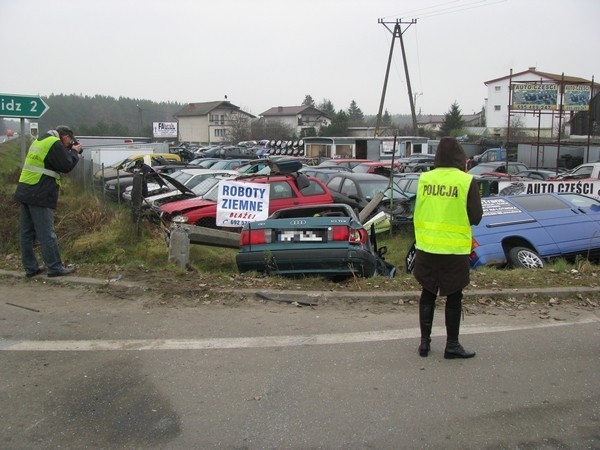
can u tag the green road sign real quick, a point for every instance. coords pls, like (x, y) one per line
(23, 106)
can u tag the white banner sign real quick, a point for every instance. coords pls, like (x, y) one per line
(164, 129)
(240, 203)
(587, 188)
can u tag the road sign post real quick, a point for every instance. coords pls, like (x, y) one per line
(22, 107)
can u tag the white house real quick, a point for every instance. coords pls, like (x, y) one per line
(499, 99)
(210, 122)
(304, 120)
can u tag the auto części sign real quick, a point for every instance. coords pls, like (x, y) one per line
(22, 106)
(588, 188)
(240, 203)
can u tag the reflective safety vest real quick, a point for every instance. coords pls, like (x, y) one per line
(34, 162)
(440, 219)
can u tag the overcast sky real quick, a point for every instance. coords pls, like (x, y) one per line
(265, 53)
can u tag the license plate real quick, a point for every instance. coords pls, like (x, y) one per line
(299, 236)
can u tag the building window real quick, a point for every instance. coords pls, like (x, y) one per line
(220, 132)
(497, 88)
(496, 107)
(222, 119)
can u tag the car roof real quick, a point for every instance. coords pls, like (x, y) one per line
(343, 160)
(379, 163)
(360, 176)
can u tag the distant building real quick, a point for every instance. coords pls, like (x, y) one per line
(434, 122)
(210, 122)
(497, 104)
(304, 120)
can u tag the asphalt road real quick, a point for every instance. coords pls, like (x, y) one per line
(83, 369)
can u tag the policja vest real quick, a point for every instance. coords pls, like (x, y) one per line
(441, 220)
(34, 162)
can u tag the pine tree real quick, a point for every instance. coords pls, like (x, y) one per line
(386, 119)
(355, 114)
(308, 101)
(327, 107)
(453, 122)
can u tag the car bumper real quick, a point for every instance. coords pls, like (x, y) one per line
(326, 262)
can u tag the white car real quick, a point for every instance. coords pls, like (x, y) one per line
(189, 178)
(182, 191)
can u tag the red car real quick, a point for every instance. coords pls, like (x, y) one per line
(284, 193)
(384, 168)
(349, 163)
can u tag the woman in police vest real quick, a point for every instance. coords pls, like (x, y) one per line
(447, 204)
(54, 153)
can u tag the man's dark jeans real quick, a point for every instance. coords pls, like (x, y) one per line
(38, 223)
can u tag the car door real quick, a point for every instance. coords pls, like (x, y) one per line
(572, 228)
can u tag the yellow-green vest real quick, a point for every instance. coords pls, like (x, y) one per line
(34, 162)
(441, 221)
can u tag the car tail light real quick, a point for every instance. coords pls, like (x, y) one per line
(474, 245)
(252, 237)
(343, 233)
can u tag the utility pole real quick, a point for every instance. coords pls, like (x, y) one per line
(397, 32)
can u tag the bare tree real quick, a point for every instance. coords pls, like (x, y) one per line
(272, 129)
(239, 127)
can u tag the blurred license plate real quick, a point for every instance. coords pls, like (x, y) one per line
(299, 236)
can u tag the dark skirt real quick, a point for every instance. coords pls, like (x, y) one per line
(442, 274)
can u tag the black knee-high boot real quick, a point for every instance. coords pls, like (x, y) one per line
(453, 313)
(426, 310)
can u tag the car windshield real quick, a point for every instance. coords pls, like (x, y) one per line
(370, 188)
(581, 200)
(213, 193)
(395, 194)
(206, 163)
(203, 187)
(482, 168)
(361, 168)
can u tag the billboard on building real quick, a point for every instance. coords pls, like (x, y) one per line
(534, 96)
(164, 129)
(576, 97)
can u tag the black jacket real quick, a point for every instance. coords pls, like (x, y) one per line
(45, 193)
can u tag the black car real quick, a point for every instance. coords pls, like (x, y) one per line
(229, 152)
(115, 187)
(356, 189)
(323, 173)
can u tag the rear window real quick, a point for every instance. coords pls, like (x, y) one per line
(539, 203)
(313, 189)
(361, 168)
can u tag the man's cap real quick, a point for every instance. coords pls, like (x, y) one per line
(64, 130)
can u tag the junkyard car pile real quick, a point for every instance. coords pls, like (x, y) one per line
(316, 224)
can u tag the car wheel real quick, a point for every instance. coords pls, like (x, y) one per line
(524, 258)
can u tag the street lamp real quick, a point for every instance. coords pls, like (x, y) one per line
(416, 94)
(140, 122)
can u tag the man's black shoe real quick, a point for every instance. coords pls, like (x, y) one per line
(37, 272)
(65, 270)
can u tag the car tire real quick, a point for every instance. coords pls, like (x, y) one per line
(525, 258)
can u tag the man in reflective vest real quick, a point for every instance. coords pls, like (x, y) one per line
(51, 154)
(447, 204)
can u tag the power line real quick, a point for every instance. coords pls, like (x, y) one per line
(441, 9)
(465, 8)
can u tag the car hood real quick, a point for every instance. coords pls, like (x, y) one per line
(186, 205)
(182, 188)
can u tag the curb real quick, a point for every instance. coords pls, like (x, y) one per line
(315, 296)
